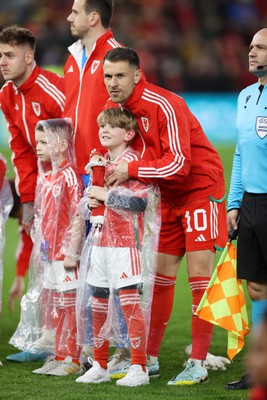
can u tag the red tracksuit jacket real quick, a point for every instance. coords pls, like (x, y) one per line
(40, 97)
(86, 94)
(174, 149)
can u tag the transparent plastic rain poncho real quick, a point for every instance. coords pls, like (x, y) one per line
(6, 204)
(127, 234)
(57, 233)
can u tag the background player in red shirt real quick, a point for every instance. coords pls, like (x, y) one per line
(30, 94)
(86, 94)
(57, 234)
(178, 156)
(117, 258)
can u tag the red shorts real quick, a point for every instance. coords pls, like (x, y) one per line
(201, 227)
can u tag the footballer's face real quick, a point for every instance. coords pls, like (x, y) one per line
(42, 147)
(257, 358)
(258, 53)
(16, 62)
(79, 20)
(120, 79)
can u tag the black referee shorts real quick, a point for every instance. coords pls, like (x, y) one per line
(252, 238)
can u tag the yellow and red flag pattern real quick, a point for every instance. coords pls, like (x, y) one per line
(223, 302)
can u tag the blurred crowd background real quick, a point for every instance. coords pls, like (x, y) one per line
(184, 45)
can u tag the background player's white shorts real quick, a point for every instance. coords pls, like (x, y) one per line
(114, 267)
(58, 278)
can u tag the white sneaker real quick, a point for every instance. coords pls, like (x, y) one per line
(46, 341)
(135, 377)
(119, 364)
(96, 374)
(67, 367)
(48, 366)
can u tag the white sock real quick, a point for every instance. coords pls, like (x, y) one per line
(151, 359)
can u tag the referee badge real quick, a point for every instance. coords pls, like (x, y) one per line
(145, 123)
(261, 127)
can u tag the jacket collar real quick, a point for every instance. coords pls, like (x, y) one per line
(134, 99)
(30, 80)
(76, 49)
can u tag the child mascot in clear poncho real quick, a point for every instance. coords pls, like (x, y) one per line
(119, 256)
(57, 235)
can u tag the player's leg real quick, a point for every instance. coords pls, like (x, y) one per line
(204, 227)
(167, 267)
(200, 267)
(171, 251)
(131, 308)
(99, 372)
(58, 319)
(252, 251)
(67, 346)
(121, 358)
(258, 293)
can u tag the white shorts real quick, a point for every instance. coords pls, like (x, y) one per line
(114, 267)
(58, 278)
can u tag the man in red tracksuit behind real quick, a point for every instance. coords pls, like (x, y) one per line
(178, 156)
(29, 95)
(86, 94)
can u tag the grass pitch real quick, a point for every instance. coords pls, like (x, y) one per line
(18, 383)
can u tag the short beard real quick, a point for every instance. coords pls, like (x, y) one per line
(75, 35)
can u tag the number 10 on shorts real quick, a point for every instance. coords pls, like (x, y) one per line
(196, 220)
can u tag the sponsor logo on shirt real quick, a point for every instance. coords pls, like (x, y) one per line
(36, 108)
(94, 66)
(145, 123)
(70, 69)
(261, 127)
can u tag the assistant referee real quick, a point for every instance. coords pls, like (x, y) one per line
(248, 188)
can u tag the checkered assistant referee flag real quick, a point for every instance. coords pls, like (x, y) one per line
(223, 302)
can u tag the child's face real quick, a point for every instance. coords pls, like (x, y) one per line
(42, 148)
(257, 358)
(112, 137)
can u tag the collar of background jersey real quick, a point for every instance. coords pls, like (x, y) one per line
(136, 94)
(30, 80)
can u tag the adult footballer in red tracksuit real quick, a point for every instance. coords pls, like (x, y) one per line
(178, 156)
(40, 97)
(86, 94)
